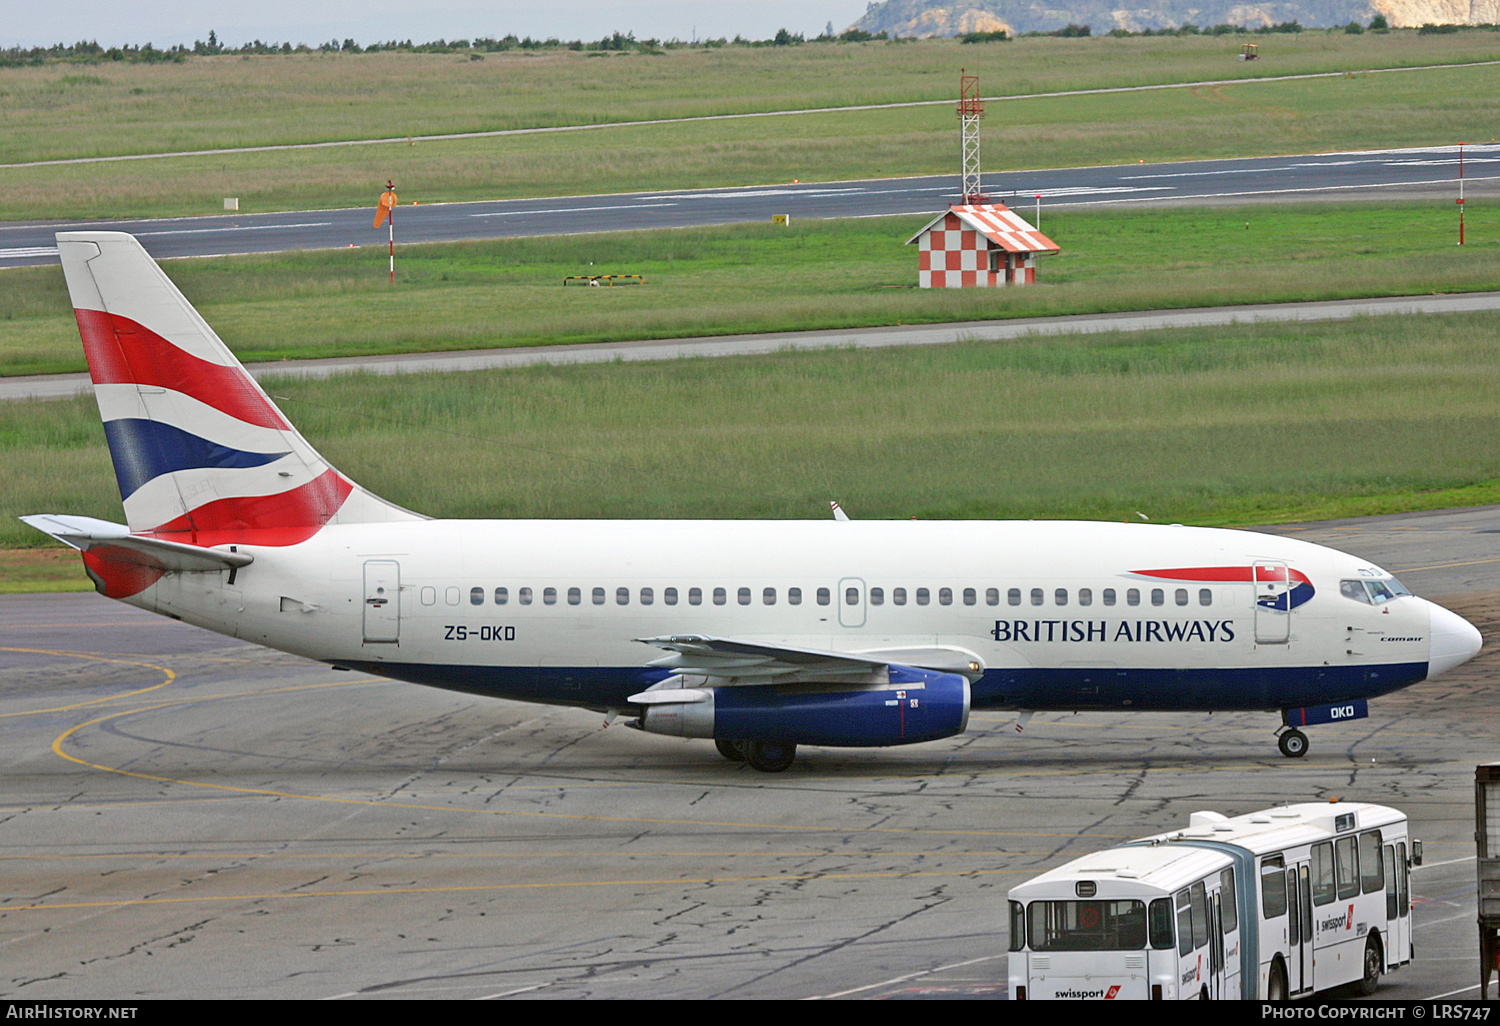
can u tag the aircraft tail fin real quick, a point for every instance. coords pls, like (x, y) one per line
(201, 453)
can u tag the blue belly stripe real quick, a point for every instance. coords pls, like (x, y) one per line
(1161, 690)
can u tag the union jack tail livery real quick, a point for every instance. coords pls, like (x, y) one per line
(201, 453)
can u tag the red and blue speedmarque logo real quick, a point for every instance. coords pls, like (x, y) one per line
(1299, 589)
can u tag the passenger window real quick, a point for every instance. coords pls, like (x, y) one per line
(1158, 597)
(451, 596)
(1205, 596)
(851, 596)
(1060, 596)
(1346, 859)
(945, 596)
(1322, 873)
(1160, 928)
(720, 596)
(824, 596)
(1085, 596)
(1229, 910)
(525, 596)
(549, 596)
(1184, 923)
(1109, 596)
(1272, 888)
(768, 596)
(1180, 596)
(992, 596)
(877, 596)
(622, 596)
(669, 596)
(575, 596)
(1036, 596)
(1133, 597)
(898, 596)
(1200, 915)
(1371, 869)
(1013, 596)
(476, 596)
(969, 597)
(923, 597)
(647, 596)
(744, 596)
(429, 596)
(501, 596)
(695, 596)
(598, 596)
(794, 596)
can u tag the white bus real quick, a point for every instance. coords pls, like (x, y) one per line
(1268, 906)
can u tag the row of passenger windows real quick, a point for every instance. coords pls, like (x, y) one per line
(877, 596)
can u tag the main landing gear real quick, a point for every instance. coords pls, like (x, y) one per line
(1292, 742)
(766, 756)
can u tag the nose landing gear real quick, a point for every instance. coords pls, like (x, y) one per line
(1292, 742)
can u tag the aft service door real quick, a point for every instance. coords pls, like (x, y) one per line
(1273, 612)
(382, 601)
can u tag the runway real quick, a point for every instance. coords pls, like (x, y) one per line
(188, 817)
(1425, 173)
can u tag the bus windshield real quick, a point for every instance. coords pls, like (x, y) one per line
(1086, 925)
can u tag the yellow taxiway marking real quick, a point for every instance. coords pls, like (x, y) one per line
(169, 678)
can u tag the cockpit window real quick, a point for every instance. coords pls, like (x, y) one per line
(1373, 592)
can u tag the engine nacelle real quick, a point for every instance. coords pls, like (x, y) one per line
(925, 706)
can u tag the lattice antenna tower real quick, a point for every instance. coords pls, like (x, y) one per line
(970, 110)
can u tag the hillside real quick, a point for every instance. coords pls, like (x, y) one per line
(949, 18)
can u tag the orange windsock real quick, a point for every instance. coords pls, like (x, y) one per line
(387, 204)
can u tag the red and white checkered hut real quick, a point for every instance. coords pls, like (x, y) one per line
(978, 244)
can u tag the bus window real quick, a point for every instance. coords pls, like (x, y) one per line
(1087, 925)
(1322, 873)
(1184, 923)
(1227, 901)
(1200, 914)
(1390, 883)
(1161, 924)
(1346, 863)
(1403, 902)
(1293, 933)
(1272, 889)
(1371, 869)
(1017, 926)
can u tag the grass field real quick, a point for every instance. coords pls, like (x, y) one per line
(64, 112)
(751, 278)
(1237, 425)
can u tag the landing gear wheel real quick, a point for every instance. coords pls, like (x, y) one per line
(1293, 744)
(1374, 965)
(734, 751)
(769, 756)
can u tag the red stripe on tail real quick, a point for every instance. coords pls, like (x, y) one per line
(121, 351)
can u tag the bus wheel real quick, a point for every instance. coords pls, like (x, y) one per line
(769, 756)
(1293, 744)
(1276, 989)
(734, 751)
(1374, 964)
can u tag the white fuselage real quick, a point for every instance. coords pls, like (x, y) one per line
(1056, 614)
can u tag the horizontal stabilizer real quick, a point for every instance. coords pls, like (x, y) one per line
(115, 543)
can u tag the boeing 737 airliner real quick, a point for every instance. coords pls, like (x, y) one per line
(759, 635)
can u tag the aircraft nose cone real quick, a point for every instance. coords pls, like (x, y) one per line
(1454, 641)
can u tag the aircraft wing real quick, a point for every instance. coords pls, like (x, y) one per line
(115, 543)
(732, 661)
